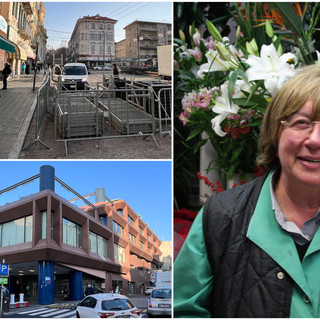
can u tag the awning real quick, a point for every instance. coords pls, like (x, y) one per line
(23, 55)
(6, 45)
(29, 52)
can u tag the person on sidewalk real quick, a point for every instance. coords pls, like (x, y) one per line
(27, 68)
(5, 74)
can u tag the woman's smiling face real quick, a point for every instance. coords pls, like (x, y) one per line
(299, 150)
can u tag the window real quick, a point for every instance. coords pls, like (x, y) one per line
(44, 225)
(117, 228)
(101, 26)
(93, 48)
(16, 231)
(132, 238)
(92, 36)
(98, 244)
(120, 211)
(109, 26)
(101, 49)
(141, 245)
(108, 37)
(149, 250)
(149, 237)
(141, 230)
(130, 220)
(93, 25)
(119, 253)
(71, 233)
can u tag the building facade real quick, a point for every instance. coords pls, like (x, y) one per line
(25, 29)
(54, 247)
(92, 41)
(141, 41)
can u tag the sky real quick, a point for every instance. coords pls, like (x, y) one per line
(61, 17)
(145, 185)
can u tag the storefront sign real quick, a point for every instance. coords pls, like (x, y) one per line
(3, 24)
(47, 280)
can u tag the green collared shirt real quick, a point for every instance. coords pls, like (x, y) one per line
(193, 278)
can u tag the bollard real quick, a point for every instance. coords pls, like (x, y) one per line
(21, 297)
(12, 298)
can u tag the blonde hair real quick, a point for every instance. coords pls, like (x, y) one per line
(305, 85)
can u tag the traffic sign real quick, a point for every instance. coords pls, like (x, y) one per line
(4, 270)
(4, 280)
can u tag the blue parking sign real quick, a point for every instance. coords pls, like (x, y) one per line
(4, 269)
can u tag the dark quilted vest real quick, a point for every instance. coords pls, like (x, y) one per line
(245, 278)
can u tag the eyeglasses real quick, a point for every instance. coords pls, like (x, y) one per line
(300, 124)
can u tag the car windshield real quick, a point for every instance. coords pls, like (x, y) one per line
(74, 70)
(161, 294)
(118, 304)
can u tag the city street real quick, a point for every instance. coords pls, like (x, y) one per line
(67, 310)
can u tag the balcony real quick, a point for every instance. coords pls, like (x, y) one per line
(27, 8)
(25, 31)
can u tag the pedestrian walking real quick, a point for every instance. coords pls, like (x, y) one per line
(27, 68)
(23, 67)
(89, 290)
(115, 71)
(5, 74)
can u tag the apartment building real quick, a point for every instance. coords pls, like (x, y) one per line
(141, 41)
(23, 26)
(92, 41)
(52, 246)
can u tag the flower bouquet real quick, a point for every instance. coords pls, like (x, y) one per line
(227, 84)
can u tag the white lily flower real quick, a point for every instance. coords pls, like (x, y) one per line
(271, 67)
(318, 57)
(223, 108)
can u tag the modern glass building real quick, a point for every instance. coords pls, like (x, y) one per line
(53, 247)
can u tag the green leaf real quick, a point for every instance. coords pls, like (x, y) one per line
(194, 133)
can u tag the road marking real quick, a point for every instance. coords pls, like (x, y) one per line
(41, 312)
(67, 314)
(56, 312)
(25, 312)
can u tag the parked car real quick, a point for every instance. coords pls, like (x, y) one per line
(148, 290)
(160, 302)
(97, 68)
(73, 75)
(107, 305)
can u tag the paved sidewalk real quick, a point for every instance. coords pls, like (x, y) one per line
(17, 105)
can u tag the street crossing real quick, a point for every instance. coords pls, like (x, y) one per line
(49, 313)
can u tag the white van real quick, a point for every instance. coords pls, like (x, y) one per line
(73, 75)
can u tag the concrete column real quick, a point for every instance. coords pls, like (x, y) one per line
(75, 285)
(45, 282)
(100, 195)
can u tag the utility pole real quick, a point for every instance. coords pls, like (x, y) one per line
(35, 69)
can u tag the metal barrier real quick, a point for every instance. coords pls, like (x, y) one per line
(164, 100)
(105, 113)
(41, 110)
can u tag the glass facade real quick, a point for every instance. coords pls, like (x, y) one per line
(16, 231)
(71, 233)
(98, 244)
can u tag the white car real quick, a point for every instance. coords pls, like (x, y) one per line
(97, 68)
(106, 305)
(148, 290)
(160, 302)
(73, 75)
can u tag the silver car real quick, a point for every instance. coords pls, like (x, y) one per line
(106, 305)
(160, 302)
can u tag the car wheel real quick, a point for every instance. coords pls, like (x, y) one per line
(77, 315)
(149, 315)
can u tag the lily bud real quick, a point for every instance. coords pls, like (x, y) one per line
(213, 30)
(238, 32)
(196, 39)
(269, 29)
(223, 52)
(182, 35)
(175, 65)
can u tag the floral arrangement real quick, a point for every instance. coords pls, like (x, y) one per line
(228, 84)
